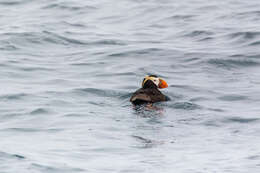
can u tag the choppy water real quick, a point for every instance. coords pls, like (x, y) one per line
(69, 67)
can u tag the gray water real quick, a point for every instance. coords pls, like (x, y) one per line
(68, 69)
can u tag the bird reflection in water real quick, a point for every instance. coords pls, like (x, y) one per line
(148, 110)
(147, 143)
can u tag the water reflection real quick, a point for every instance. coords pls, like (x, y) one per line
(148, 126)
(146, 142)
(148, 110)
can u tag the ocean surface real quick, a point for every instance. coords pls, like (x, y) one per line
(68, 69)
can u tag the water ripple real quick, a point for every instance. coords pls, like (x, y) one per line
(249, 35)
(147, 143)
(99, 92)
(12, 2)
(7, 155)
(69, 7)
(39, 111)
(233, 98)
(46, 168)
(185, 106)
(241, 120)
(18, 96)
(233, 63)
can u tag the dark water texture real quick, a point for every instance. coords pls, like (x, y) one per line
(69, 67)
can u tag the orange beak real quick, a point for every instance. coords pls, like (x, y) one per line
(163, 84)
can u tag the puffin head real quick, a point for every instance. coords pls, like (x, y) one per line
(153, 81)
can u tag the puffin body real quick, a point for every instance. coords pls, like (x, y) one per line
(149, 93)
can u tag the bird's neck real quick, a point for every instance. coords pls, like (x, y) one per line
(149, 84)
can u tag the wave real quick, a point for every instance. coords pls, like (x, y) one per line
(40, 111)
(229, 120)
(15, 41)
(138, 52)
(233, 63)
(23, 39)
(12, 2)
(256, 43)
(49, 168)
(181, 17)
(69, 7)
(240, 120)
(246, 35)
(184, 106)
(100, 92)
(233, 97)
(252, 14)
(199, 33)
(4, 155)
(19, 96)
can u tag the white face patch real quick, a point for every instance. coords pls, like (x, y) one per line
(156, 81)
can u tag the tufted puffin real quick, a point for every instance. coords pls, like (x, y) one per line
(149, 92)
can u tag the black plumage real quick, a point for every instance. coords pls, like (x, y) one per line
(149, 93)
